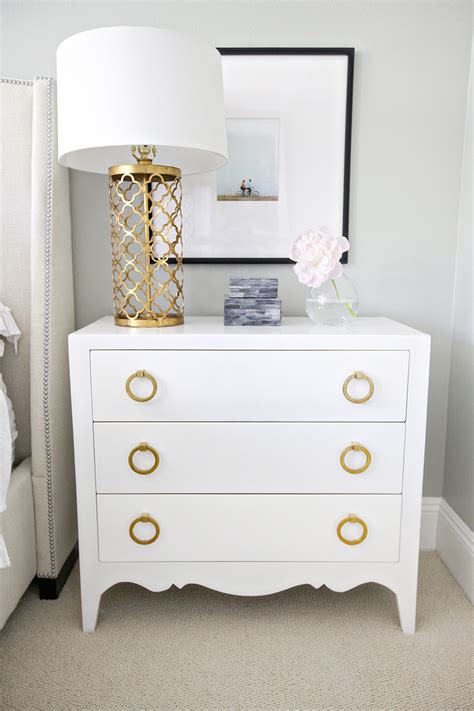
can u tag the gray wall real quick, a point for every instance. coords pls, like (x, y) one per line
(458, 480)
(412, 61)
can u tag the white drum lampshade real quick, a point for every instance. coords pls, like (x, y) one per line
(161, 92)
(125, 86)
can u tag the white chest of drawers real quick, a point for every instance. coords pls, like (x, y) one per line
(249, 460)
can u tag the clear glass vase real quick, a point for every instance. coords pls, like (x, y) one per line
(335, 302)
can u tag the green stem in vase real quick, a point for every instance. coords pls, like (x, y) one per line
(348, 307)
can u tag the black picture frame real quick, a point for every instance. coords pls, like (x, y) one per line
(348, 52)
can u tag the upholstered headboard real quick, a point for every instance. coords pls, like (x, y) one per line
(36, 283)
(15, 246)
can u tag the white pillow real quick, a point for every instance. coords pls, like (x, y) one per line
(11, 420)
(7, 436)
(8, 432)
(11, 414)
(8, 327)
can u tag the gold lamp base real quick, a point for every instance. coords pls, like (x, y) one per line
(147, 248)
(156, 322)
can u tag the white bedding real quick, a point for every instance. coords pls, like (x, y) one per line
(8, 432)
(8, 327)
(6, 459)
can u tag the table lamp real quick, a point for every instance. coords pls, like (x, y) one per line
(147, 93)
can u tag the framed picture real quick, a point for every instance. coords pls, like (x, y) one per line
(288, 120)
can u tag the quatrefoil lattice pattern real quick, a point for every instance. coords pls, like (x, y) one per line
(147, 248)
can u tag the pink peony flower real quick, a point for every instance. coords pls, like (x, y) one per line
(317, 254)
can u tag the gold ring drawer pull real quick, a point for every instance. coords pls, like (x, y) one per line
(355, 447)
(143, 447)
(144, 518)
(141, 374)
(358, 375)
(352, 518)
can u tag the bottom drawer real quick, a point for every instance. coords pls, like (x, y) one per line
(244, 527)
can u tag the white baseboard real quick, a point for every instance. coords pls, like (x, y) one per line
(429, 522)
(442, 530)
(455, 547)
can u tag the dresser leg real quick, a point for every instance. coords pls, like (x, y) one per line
(406, 601)
(90, 610)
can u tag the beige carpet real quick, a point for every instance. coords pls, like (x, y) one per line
(198, 649)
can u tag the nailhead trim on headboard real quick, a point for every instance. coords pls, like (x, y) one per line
(21, 82)
(47, 323)
(46, 312)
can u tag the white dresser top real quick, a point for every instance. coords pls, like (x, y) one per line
(295, 333)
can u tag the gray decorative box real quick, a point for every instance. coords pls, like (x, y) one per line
(243, 311)
(253, 287)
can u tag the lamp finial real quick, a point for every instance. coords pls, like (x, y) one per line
(142, 152)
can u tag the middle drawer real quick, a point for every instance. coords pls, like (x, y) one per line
(249, 457)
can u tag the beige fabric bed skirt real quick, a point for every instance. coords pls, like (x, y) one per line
(18, 528)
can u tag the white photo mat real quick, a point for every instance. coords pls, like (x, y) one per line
(309, 95)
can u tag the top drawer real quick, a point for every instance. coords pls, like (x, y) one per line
(249, 385)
